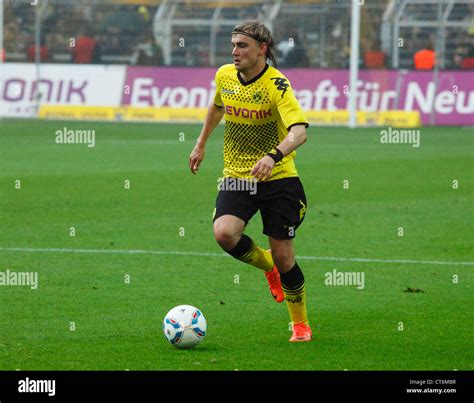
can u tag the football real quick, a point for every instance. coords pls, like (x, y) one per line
(184, 326)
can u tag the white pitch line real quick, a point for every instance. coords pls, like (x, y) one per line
(206, 254)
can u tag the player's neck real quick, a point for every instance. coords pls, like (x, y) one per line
(250, 74)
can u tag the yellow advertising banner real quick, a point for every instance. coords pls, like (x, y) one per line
(402, 119)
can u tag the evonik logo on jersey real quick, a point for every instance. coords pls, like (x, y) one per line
(247, 113)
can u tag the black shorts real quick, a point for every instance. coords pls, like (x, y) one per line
(282, 204)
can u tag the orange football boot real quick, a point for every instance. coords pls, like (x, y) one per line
(273, 278)
(301, 332)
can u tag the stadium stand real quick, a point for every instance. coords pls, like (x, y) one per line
(196, 33)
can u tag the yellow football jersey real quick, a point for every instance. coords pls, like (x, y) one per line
(258, 115)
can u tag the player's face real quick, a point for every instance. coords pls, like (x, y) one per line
(246, 52)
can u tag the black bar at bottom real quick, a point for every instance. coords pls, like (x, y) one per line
(293, 386)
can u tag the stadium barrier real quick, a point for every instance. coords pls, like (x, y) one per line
(196, 115)
(399, 99)
(126, 113)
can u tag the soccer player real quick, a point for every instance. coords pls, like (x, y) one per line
(264, 124)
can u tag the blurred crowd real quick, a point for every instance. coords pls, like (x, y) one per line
(100, 32)
(79, 32)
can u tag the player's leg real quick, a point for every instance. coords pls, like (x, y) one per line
(283, 209)
(293, 284)
(233, 210)
(228, 231)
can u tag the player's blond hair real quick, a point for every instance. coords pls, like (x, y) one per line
(258, 31)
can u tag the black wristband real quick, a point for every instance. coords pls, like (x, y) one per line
(276, 155)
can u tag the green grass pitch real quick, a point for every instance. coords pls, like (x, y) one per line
(85, 315)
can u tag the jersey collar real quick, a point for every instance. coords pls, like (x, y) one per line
(241, 80)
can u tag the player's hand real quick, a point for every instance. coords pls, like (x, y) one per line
(262, 170)
(195, 158)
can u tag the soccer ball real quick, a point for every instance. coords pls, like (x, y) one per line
(184, 326)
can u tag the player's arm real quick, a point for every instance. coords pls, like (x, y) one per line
(213, 117)
(296, 136)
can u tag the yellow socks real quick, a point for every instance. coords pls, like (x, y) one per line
(292, 283)
(246, 251)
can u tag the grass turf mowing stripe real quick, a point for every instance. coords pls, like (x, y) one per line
(206, 254)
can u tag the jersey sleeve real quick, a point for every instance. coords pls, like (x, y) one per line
(217, 97)
(288, 106)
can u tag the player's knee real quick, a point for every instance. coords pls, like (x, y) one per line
(225, 237)
(284, 260)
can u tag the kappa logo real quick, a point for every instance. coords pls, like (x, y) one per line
(281, 84)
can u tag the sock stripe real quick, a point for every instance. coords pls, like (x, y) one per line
(293, 287)
(242, 247)
(249, 253)
(293, 290)
(293, 278)
(293, 293)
